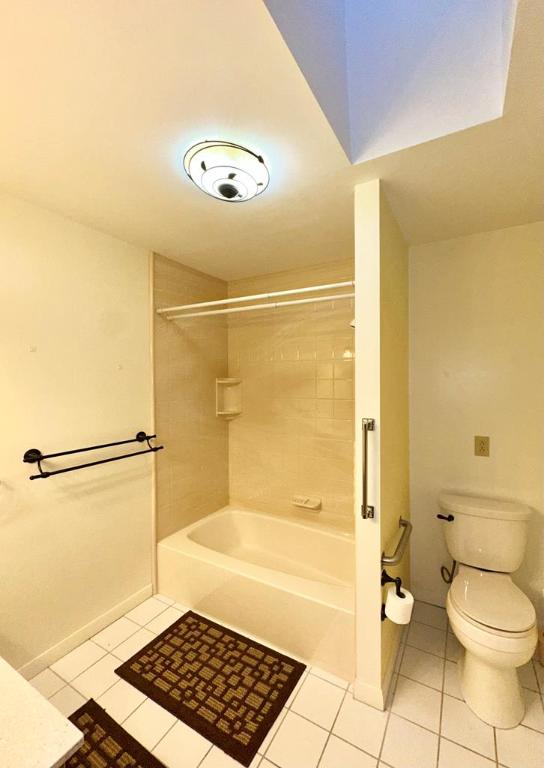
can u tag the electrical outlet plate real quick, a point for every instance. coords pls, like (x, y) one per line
(481, 445)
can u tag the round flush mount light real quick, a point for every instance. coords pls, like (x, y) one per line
(226, 171)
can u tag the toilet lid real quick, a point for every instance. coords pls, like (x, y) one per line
(492, 599)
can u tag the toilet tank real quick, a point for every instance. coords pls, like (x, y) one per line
(486, 533)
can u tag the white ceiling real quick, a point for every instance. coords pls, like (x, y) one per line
(100, 100)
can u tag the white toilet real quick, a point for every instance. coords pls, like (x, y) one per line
(491, 617)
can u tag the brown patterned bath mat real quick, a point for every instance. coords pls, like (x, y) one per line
(107, 745)
(227, 687)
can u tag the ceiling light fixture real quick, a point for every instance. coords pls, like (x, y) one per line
(226, 171)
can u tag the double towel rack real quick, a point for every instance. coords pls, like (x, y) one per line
(35, 456)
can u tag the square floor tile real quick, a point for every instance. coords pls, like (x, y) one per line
(218, 759)
(97, 679)
(534, 712)
(454, 756)
(121, 700)
(329, 677)
(67, 700)
(454, 649)
(272, 732)
(164, 599)
(527, 676)
(423, 667)
(340, 754)
(297, 744)
(430, 614)
(461, 725)
(116, 633)
(163, 620)
(452, 682)
(427, 638)
(134, 644)
(296, 689)
(418, 703)
(149, 723)
(47, 683)
(520, 747)
(182, 747)
(361, 725)
(539, 669)
(146, 611)
(318, 701)
(407, 745)
(78, 660)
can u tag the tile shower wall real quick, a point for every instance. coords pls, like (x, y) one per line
(192, 474)
(295, 434)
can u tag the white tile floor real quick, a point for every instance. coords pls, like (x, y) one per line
(427, 724)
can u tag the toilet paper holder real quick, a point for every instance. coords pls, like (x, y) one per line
(387, 579)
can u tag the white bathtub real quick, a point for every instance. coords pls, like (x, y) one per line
(287, 583)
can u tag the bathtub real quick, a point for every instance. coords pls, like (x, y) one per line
(284, 582)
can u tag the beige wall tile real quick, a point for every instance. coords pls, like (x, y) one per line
(295, 435)
(192, 474)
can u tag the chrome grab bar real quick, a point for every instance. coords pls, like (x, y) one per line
(397, 555)
(367, 512)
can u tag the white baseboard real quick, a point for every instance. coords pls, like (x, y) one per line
(369, 694)
(57, 651)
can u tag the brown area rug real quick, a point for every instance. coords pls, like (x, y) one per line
(107, 745)
(227, 687)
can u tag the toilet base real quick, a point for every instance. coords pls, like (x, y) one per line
(493, 693)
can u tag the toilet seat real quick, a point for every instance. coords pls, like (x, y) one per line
(492, 602)
(493, 639)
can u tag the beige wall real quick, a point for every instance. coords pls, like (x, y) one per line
(192, 475)
(75, 370)
(477, 368)
(394, 458)
(295, 435)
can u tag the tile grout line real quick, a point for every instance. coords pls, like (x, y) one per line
(205, 756)
(69, 682)
(109, 650)
(495, 747)
(401, 651)
(539, 687)
(417, 648)
(442, 697)
(331, 729)
(419, 682)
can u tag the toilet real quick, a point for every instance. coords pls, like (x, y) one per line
(492, 618)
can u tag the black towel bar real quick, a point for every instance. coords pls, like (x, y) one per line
(35, 456)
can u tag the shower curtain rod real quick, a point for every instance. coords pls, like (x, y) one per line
(255, 296)
(271, 305)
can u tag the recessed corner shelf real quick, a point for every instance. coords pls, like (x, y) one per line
(228, 398)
